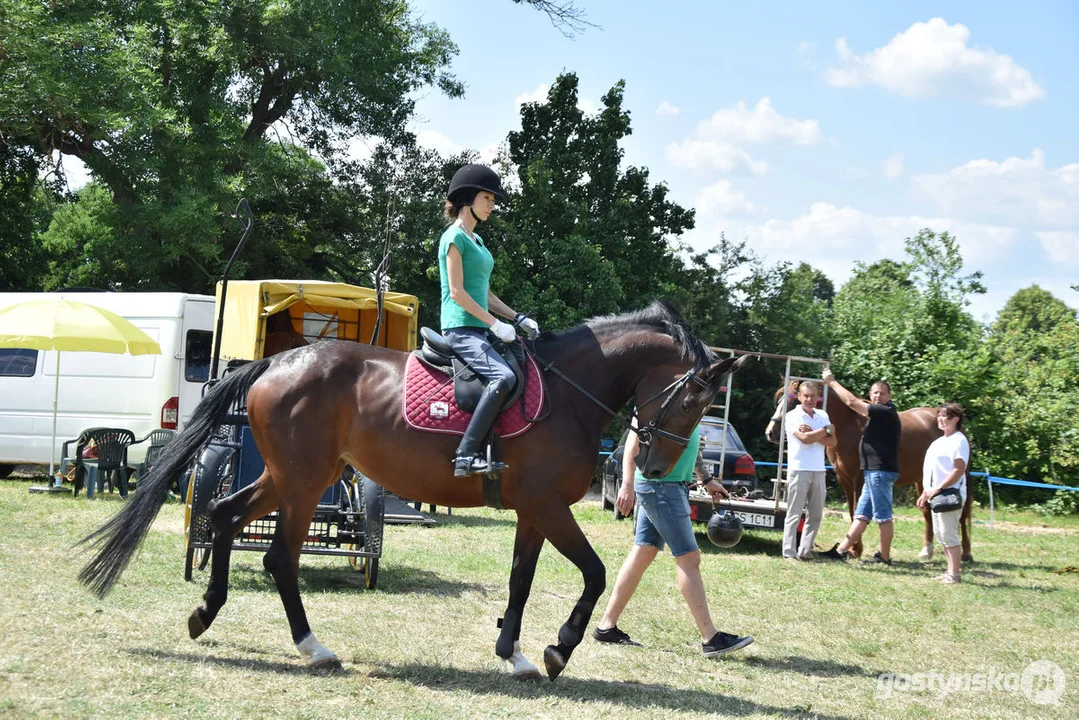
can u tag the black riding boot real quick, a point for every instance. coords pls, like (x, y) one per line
(469, 460)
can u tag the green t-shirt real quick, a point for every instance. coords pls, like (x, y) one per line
(477, 263)
(683, 469)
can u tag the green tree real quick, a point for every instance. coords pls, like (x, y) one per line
(175, 106)
(907, 322)
(25, 203)
(582, 236)
(1035, 435)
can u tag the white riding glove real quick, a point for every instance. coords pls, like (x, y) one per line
(503, 331)
(531, 327)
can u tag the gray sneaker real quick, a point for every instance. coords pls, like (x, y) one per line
(723, 643)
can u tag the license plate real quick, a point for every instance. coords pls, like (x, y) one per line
(755, 519)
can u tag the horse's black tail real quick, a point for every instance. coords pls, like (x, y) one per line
(120, 537)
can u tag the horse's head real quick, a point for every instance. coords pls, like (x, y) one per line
(670, 405)
(784, 399)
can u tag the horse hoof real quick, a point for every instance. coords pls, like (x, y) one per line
(328, 665)
(968, 559)
(926, 553)
(554, 662)
(195, 625)
(529, 675)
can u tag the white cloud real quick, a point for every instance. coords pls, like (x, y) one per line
(434, 140)
(933, 58)
(1061, 246)
(665, 108)
(761, 124)
(1017, 191)
(806, 46)
(721, 200)
(892, 166)
(715, 143)
(699, 154)
(832, 238)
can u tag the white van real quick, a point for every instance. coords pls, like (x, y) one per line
(140, 393)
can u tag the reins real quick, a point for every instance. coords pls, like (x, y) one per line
(644, 434)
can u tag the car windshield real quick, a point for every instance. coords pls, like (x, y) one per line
(712, 438)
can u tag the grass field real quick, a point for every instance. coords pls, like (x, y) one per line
(422, 644)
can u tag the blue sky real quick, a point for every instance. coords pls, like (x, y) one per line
(825, 132)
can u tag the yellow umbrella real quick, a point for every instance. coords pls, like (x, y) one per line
(68, 325)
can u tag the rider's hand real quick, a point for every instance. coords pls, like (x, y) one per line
(503, 331)
(530, 326)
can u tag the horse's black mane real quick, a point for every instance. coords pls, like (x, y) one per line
(661, 315)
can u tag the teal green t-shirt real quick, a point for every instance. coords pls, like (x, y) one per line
(477, 263)
(683, 469)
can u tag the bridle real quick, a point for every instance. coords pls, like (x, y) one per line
(644, 434)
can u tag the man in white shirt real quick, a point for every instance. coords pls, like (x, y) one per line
(809, 431)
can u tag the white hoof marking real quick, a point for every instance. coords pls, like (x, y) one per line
(520, 666)
(317, 654)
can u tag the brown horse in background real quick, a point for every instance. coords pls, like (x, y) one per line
(919, 430)
(316, 408)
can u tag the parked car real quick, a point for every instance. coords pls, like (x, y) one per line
(739, 470)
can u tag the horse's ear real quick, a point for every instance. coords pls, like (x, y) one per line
(720, 368)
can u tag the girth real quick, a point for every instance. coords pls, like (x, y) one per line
(467, 384)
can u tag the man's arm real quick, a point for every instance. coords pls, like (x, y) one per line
(821, 435)
(848, 398)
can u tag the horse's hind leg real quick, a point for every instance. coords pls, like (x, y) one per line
(558, 525)
(526, 551)
(965, 527)
(227, 517)
(282, 560)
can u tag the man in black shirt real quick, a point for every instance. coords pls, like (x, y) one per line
(879, 454)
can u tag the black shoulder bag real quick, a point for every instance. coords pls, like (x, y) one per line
(946, 500)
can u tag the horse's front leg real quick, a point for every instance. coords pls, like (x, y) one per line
(526, 551)
(227, 517)
(282, 560)
(558, 525)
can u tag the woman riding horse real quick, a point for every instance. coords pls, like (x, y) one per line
(315, 409)
(464, 265)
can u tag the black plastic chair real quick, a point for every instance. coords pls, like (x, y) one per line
(110, 463)
(158, 439)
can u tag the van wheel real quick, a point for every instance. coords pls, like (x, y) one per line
(6, 470)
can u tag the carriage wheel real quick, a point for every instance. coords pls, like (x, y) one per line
(370, 573)
(195, 530)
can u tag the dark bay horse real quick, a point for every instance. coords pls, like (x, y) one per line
(316, 408)
(919, 430)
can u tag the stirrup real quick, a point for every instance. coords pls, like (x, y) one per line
(465, 465)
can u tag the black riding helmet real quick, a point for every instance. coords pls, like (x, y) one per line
(724, 529)
(475, 177)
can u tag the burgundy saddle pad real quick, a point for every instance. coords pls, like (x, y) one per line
(428, 402)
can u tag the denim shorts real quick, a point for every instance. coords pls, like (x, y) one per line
(663, 515)
(876, 499)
